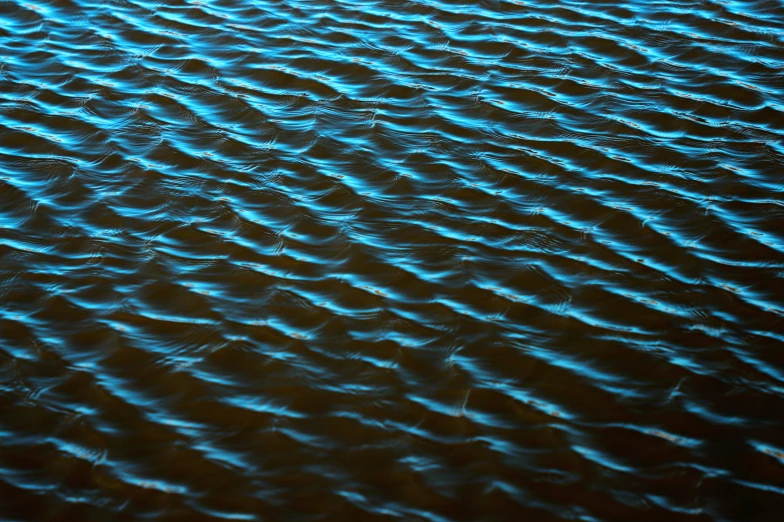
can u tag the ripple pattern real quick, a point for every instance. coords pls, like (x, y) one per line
(391, 260)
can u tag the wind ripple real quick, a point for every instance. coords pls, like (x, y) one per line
(385, 260)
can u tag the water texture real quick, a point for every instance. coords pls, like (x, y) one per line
(391, 260)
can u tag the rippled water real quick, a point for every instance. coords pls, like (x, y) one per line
(391, 260)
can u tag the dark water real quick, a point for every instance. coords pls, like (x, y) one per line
(391, 260)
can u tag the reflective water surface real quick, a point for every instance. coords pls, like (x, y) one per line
(391, 260)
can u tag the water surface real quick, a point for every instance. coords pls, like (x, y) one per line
(391, 260)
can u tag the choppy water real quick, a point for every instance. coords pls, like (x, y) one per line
(389, 260)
